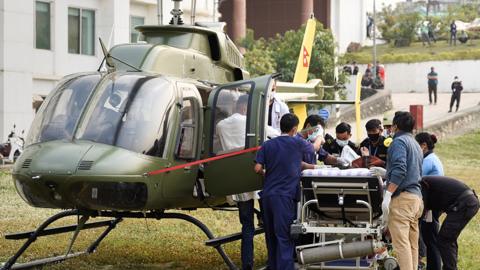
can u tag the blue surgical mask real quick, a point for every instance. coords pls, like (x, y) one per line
(342, 143)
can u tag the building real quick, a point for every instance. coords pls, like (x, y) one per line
(44, 40)
(346, 18)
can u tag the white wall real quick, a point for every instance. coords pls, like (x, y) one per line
(404, 77)
(26, 71)
(348, 22)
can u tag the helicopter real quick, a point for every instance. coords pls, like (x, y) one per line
(137, 138)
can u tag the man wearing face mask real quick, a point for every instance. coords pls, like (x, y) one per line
(343, 134)
(276, 109)
(374, 145)
(313, 132)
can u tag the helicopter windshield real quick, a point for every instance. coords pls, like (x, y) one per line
(59, 114)
(132, 112)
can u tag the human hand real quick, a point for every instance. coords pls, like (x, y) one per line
(378, 171)
(387, 197)
(364, 151)
(342, 162)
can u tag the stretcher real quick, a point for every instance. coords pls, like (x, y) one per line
(339, 221)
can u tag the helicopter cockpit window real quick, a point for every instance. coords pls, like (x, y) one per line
(132, 112)
(230, 119)
(57, 118)
(182, 40)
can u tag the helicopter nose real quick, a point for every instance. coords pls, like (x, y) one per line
(57, 157)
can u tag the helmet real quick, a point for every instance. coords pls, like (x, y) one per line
(388, 118)
(324, 114)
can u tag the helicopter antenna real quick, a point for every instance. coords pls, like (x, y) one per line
(177, 13)
(108, 58)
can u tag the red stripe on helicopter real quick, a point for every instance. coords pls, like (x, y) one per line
(197, 162)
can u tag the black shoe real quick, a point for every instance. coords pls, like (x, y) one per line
(456, 110)
(450, 110)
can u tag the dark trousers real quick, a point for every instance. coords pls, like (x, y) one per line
(278, 215)
(432, 89)
(453, 38)
(451, 229)
(455, 97)
(245, 210)
(429, 242)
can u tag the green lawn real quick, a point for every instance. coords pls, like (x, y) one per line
(416, 52)
(166, 244)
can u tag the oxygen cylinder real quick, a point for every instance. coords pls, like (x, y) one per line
(339, 251)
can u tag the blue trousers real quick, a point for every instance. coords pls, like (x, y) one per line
(278, 215)
(245, 210)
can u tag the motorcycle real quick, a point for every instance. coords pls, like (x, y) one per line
(13, 148)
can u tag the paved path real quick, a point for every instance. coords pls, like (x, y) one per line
(431, 113)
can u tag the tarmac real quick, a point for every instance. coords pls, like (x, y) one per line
(431, 113)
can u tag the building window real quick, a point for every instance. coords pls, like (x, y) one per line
(134, 21)
(42, 25)
(81, 31)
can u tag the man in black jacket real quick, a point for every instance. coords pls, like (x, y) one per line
(459, 202)
(456, 92)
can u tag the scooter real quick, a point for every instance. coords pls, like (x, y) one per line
(13, 148)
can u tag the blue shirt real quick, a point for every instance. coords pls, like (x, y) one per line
(282, 159)
(404, 164)
(432, 165)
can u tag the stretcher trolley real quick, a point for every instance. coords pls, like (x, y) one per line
(339, 221)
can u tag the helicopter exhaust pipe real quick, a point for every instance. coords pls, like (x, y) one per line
(339, 251)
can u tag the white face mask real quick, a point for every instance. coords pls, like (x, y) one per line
(342, 143)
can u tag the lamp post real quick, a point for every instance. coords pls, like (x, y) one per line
(374, 36)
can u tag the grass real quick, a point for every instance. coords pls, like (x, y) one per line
(416, 52)
(169, 244)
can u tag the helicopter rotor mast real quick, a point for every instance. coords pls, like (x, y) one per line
(176, 13)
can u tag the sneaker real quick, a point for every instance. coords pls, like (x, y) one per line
(450, 111)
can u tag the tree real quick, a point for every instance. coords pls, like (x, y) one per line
(281, 54)
(398, 25)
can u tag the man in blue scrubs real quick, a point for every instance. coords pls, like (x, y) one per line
(282, 160)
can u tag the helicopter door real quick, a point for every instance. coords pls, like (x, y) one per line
(235, 122)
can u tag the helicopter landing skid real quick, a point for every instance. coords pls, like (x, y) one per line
(163, 215)
(110, 224)
(43, 231)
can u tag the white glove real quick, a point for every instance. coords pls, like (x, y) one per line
(387, 197)
(342, 162)
(378, 171)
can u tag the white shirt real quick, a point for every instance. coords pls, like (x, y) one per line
(278, 110)
(231, 132)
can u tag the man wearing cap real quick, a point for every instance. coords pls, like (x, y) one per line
(456, 92)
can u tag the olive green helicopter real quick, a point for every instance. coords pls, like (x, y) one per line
(137, 138)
